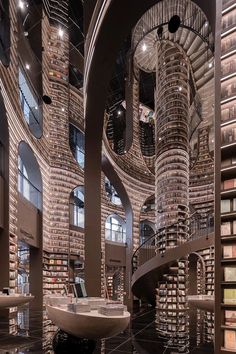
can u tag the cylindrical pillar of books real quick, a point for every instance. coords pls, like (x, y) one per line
(172, 144)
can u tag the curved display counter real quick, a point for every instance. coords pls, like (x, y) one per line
(91, 325)
(14, 300)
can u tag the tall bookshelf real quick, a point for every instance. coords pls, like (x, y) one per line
(227, 286)
(13, 266)
(172, 321)
(55, 272)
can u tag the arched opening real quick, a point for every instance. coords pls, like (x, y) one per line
(29, 176)
(77, 207)
(147, 229)
(115, 229)
(29, 218)
(149, 205)
(76, 141)
(30, 104)
(112, 194)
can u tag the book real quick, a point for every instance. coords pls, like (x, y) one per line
(230, 339)
(234, 227)
(225, 228)
(230, 274)
(225, 205)
(230, 318)
(229, 184)
(230, 296)
(229, 251)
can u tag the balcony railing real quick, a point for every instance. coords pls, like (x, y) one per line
(150, 247)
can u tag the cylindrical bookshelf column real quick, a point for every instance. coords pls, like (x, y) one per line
(172, 144)
(172, 190)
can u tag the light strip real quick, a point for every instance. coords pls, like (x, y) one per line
(229, 8)
(228, 99)
(228, 168)
(229, 122)
(228, 54)
(228, 32)
(225, 146)
(224, 78)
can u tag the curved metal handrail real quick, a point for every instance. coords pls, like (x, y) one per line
(164, 229)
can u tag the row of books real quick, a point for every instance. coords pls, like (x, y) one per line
(228, 184)
(228, 205)
(228, 228)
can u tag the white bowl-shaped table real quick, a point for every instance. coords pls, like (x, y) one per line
(90, 325)
(14, 300)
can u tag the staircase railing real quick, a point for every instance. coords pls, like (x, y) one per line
(150, 247)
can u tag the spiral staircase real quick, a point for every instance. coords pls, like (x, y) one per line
(149, 265)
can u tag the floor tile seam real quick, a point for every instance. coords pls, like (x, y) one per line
(131, 337)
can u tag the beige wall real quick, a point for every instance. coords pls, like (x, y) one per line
(29, 222)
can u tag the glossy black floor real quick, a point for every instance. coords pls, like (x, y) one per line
(139, 338)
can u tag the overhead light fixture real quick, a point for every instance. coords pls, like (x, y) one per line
(27, 66)
(63, 109)
(60, 33)
(144, 47)
(174, 23)
(210, 64)
(21, 4)
(46, 99)
(180, 88)
(206, 24)
(119, 113)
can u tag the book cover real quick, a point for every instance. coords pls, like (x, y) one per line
(230, 318)
(230, 273)
(230, 296)
(225, 228)
(225, 206)
(229, 251)
(230, 339)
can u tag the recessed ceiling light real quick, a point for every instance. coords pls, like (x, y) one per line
(21, 4)
(210, 64)
(180, 88)
(63, 109)
(27, 66)
(144, 47)
(119, 113)
(60, 32)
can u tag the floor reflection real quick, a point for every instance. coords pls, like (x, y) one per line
(35, 336)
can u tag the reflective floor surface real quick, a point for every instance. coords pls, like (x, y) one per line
(140, 338)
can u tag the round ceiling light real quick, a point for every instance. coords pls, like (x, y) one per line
(174, 23)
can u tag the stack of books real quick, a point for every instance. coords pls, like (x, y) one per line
(112, 310)
(80, 306)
